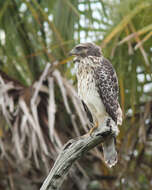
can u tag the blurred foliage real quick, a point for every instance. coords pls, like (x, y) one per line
(36, 32)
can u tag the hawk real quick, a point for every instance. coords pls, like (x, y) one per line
(98, 91)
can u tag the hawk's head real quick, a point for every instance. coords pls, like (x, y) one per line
(86, 49)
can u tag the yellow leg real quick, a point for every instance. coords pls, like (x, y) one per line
(93, 128)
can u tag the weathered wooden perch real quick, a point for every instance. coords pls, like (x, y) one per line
(73, 150)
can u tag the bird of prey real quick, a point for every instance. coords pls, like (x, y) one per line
(98, 91)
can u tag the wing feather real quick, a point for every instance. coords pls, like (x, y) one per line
(107, 86)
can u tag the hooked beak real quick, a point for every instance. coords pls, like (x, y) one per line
(73, 52)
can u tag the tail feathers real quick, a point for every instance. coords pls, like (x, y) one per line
(109, 151)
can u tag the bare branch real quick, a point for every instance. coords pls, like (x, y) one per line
(72, 151)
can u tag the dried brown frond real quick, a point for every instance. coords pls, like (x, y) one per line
(30, 113)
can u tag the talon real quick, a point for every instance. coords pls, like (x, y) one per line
(92, 129)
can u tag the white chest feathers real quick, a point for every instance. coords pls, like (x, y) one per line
(87, 89)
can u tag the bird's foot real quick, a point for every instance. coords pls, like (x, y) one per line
(93, 128)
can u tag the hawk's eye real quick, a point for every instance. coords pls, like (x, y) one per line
(79, 48)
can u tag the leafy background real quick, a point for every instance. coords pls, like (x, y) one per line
(40, 109)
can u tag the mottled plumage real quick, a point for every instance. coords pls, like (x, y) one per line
(98, 89)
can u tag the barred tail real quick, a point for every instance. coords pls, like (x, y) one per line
(109, 151)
